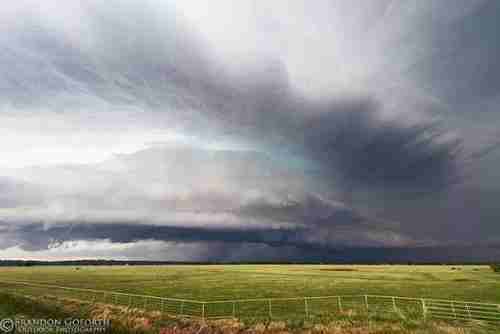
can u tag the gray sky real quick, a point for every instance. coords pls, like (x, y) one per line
(185, 130)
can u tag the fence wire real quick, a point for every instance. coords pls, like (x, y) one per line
(275, 308)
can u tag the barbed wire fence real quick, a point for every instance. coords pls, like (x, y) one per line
(274, 308)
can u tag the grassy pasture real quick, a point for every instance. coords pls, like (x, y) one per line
(216, 282)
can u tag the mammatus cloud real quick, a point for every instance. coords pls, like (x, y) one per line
(331, 129)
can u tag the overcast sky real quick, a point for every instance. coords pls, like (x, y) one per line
(250, 130)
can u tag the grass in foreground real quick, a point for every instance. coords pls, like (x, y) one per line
(126, 320)
(215, 282)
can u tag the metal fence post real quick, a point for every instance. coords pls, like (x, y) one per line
(430, 309)
(424, 309)
(468, 310)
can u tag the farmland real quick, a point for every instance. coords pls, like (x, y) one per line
(216, 282)
(351, 298)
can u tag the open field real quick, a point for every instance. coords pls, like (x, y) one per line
(216, 282)
(335, 294)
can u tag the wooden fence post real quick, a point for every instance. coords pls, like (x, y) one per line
(340, 303)
(306, 307)
(424, 309)
(366, 302)
(270, 308)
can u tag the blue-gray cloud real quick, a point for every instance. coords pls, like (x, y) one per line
(382, 135)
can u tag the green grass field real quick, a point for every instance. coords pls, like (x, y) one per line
(215, 282)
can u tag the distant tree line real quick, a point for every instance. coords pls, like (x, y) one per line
(98, 262)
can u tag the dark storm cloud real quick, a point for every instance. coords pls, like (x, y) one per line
(198, 244)
(464, 67)
(135, 57)
(347, 137)
(122, 53)
(372, 152)
(311, 223)
(36, 237)
(395, 133)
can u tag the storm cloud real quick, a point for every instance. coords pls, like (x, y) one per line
(328, 127)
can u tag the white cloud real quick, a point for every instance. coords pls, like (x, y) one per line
(105, 249)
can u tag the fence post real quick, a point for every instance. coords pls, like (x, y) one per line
(145, 304)
(394, 304)
(163, 306)
(424, 309)
(270, 308)
(203, 310)
(340, 303)
(234, 309)
(453, 308)
(129, 301)
(306, 307)
(366, 302)
(182, 307)
(468, 310)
